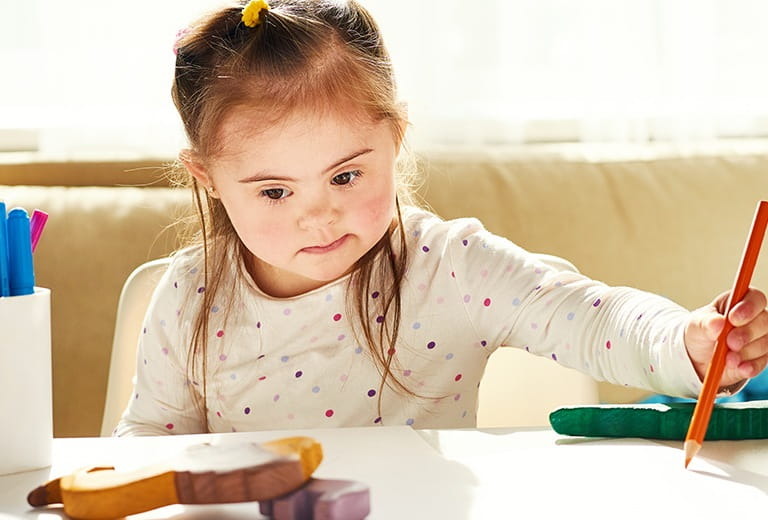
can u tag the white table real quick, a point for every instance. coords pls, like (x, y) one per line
(458, 474)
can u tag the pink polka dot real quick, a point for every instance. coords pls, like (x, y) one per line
(223, 357)
(218, 414)
(457, 397)
(406, 372)
(169, 426)
(391, 351)
(164, 351)
(262, 378)
(467, 298)
(329, 413)
(219, 333)
(608, 344)
(286, 312)
(343, 377)
(336, 317)
(487, 302)
(440, 300)
(651, 367)
(457, 378)
(484, 273)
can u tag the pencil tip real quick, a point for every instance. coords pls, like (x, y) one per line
(691, 449)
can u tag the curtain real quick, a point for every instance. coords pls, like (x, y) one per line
(94, 76)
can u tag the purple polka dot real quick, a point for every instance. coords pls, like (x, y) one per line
(284, 359)
(377, 420)
(431, 345)
(276, 398)
(175, 285)
(258, 324)
(483, 343)
(379, 319)
(570, 316)
(315, 389)
(467, 298)
(410, 422)
(416, 325)
(215, 308)
(371, 392)
(223, 357)
(286, 312)
(341, 337)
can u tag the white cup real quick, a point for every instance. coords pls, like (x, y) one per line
(26, 417)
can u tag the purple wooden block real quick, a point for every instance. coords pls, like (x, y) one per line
(321, 499)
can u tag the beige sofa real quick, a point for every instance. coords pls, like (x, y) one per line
(668, 220)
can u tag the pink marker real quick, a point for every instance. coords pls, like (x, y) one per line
(36, 224)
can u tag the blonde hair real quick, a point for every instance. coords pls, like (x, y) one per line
(309, 55)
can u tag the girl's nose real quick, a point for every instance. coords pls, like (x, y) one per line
(319, 214)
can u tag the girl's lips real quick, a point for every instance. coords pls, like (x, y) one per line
(326, 249)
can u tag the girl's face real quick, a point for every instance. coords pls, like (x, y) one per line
(308, 197)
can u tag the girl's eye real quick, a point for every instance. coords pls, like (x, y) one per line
(275, 193)
(346, 177)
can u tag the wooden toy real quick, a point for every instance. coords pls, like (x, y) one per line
(321, 499)
(202, 474)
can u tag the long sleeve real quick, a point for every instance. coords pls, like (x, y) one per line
(616, 334)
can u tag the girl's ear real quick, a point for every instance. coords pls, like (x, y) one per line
(195, 167)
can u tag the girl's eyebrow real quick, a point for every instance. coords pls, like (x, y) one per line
(264, 175)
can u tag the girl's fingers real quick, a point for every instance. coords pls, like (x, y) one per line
(753, 331)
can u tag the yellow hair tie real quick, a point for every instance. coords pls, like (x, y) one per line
(252, 12)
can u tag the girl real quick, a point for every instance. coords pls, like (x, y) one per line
(319, 295)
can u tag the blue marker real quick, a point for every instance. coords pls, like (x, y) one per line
(4, 287)
(20, 270)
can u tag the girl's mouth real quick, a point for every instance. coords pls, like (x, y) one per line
(316, 250)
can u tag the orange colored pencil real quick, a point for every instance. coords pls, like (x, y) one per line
(703, 411)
